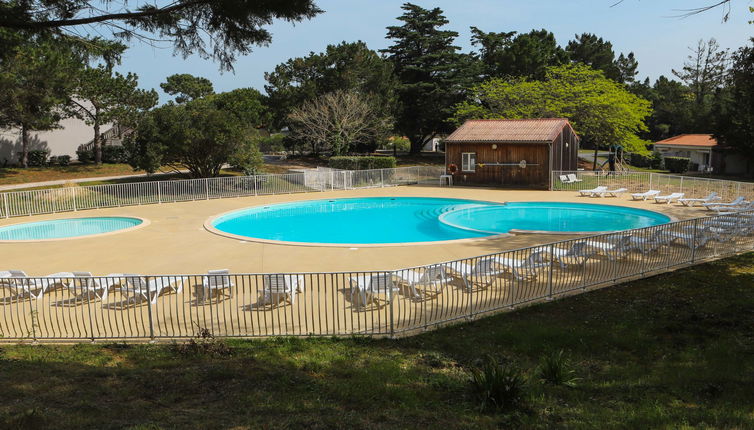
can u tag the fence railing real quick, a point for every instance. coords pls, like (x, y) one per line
(78, 306)
(692, 187)
(35, 202)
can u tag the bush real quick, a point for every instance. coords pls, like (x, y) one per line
(271, 143)
(84, 156)
(59, 160)
(112, 154)
(498, 386)
(36, 157)
(362, 163)
(693, 167)
(677, 164)
(555, 369)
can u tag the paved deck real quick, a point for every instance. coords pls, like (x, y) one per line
(176, 241)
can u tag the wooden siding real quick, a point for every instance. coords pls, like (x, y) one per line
(532, 176)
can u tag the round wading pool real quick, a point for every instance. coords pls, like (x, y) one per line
(68, 228)
(396, 220)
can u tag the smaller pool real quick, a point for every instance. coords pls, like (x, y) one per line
(67, 228)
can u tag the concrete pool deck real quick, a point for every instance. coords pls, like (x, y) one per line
(176, 241)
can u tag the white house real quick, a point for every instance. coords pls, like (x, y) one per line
(703, 150)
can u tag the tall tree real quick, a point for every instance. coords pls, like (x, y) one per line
(187, 87)
(35, 81)
(433, 76)
(529, 55)
(627, 65)
(595, 52)
(491, 50)
(704, 74)
(734, 125)
(100, 96)
(348, 66)
(602, 111)
(211, 29)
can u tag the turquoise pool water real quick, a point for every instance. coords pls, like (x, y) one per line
(385, 220)
(66, 228)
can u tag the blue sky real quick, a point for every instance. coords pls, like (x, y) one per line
(645, 27)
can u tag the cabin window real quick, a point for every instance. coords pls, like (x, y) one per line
(468, 162)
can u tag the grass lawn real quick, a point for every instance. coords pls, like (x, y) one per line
(674, 351)
(16, 175)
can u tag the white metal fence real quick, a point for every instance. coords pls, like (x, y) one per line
(68, 306)
(22, 203)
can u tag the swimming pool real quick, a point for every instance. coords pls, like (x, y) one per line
(67, 228)
(393, 220)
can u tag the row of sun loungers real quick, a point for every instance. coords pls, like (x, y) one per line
(710, 202)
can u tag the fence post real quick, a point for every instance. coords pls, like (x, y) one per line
(7, 210)
(159, 193)
(681, 190)
(149, 308)
(206, 187)
(392, 323)
(254, 178)
(382, 178)
(332, 180)
(693, 240)
(549, 275)
(650, 180)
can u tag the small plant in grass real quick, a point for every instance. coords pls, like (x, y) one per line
(555, 368)
(204, 343)
(499, 386)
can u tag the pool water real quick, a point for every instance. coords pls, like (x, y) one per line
(386, 220)
(66, 228)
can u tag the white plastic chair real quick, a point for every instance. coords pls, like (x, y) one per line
(277, 288)
(367, 286)
(216, 282)
(594, 191)
(572, 177)
(691, 202)
(524, 268)
(138, 287)
(485, 267)
(33, 287)
(431, 276)
(578, 253)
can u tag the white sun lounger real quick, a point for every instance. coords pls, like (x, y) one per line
(732, 210)
(611, 193)
(737, 202)
(277, 288)
(594, 191)
(367, 286)
(645, 195)
(34, 287)
(691, 202)
(431, 276)
(668, 198)
(612, 246)
(485, 267)
(138, 287)
(577, 254)
(524, 268)
(216, 282)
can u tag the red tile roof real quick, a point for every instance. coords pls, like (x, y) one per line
(690, 140)
(542, 130)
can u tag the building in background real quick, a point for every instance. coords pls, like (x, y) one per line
(704, 152)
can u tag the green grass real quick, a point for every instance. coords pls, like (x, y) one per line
(674, 351)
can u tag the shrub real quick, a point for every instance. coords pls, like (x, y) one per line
(59, 160)
(362, 163)
(656, 161)
(36, 157)
(114, 154)
(53, 160)
(499, 386)
(204, 343)
(693, 167)
(555, 369)
(84, 156)
(677, 164)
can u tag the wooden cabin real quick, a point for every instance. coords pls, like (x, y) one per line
(518, 152)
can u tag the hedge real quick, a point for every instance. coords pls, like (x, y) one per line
(653, 161)
(36, 157)
(677, 164)
(361, 163)
(111, 154)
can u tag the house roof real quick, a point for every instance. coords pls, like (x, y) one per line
(541, 130)
(704, 140)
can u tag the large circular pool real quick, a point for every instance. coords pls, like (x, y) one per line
(391, 220)
(67, 228)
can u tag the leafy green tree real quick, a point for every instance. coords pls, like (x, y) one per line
(34, 85)
(734, 125)
(211, 29)
(200, 135)
(491, 50)
(672, 104)
(433, 76)
(100, 96)
(595, 52)
(602, 111)
(704, 74)
(530, 54)
(346, 66)
(187, 87)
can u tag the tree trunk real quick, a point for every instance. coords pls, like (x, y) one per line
(24, 146)
(594, 164)
(97, 140)
(416, 144)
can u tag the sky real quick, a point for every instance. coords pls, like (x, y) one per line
(649, 28)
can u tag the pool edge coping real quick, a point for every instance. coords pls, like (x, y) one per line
(144, 223)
